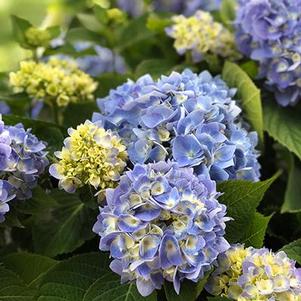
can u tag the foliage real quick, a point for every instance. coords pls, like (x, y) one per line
(48, 251)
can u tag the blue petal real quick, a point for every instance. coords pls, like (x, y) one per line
(170, 254)
(148, 246)
(168, 200)
(147, 212)
(187, 151)
(129, 223)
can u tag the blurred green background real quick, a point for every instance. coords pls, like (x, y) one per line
(39, 13)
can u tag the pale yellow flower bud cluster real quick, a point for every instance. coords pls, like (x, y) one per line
(56, 81)
(201, 35)
(36, 37)
(91, 155)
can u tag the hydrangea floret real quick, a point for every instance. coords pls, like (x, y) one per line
(91, 155)
(162, 222)
(200, 35)
(268, 31)
(255, 274)
(189, 118)
(56, 81)
(22, 161)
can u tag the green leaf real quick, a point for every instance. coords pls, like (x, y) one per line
(135, 31)
(29, 267)
(46, 131)
(40, 203)
(157, 23)
(255, 233)
(248, 94)
(78, 113)
(108, 81)
(12, 288)
(54, 31)
(87, 278)
(292, 202)
(189, 290)
(19, 28)
(90, 22)
(65, 228)
(227, 12)
(242, 198)
(251, 68)
(284, 125)
(154, 67)
(293, 250)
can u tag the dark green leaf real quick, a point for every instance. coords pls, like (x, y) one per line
(78, 113)
(66, 228)
(136, 31)
(255, 232)
(154, 67)
(109, 81)
(292, 202)
(242, 198)
(19, 28)
(248, 94)
(29, 267)
(284, 125)
(87, 278)
(293, 250)
(40, 203)
(12, 288)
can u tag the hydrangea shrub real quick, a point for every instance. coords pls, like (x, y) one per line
(161, 197)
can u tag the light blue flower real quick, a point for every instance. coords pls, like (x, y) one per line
(22, 160)
(189, 118)
(268, 31)
(162, 222)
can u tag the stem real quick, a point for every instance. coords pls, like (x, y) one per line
(188, 58)
(55, 113)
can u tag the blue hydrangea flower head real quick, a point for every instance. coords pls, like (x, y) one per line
(162, 222)
(255, 274)
(104, 59)
(186, 117)
(22, 160)
(268, 31)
